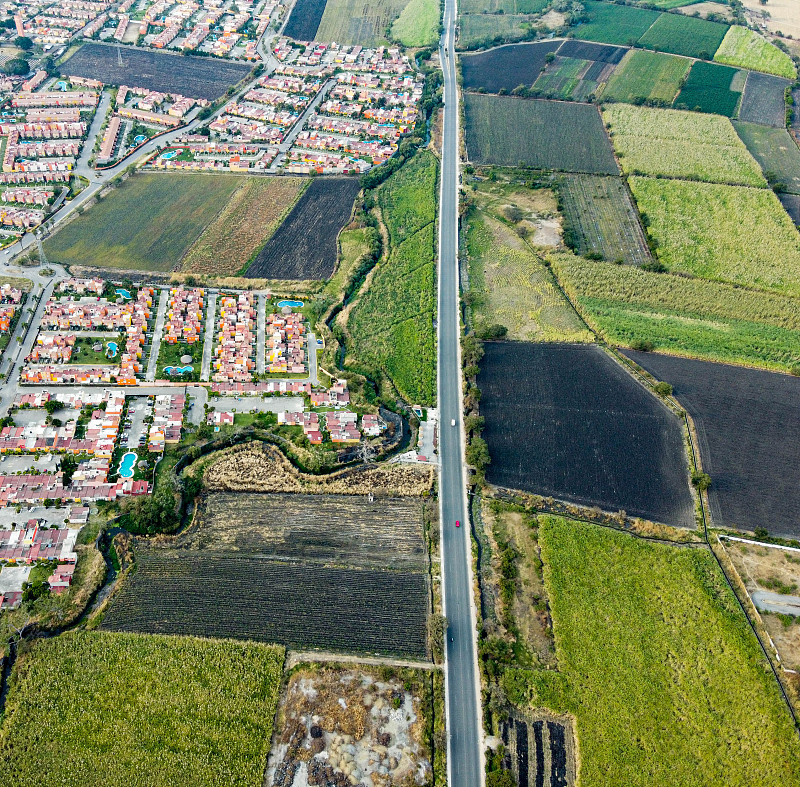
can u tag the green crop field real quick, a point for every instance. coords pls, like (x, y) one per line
(599, 217)
(562, 78)
(363, 22)
(657, 666)
(542, 134)
(684, 35)
(505, 6)
(675, 144)
(676, 314)
(745, 48)
(776, 152)
(391, 323)
(711, 88)
(509, 285)
(615, 24)
(147, 223)
(90, 708)
(475, 30)
(724, 233)
(647, 76)
(418, 24)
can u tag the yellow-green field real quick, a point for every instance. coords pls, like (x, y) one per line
(675, 144)
(747, 49)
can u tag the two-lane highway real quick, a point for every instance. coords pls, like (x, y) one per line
(464, 755)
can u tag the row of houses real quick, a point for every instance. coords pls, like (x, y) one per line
(341, 425)
(28, 196)
(74, 98)
(279, 387)
(286, 343)
(184, 316)
(167, 421)
(44, 129)
(35, 541)
(233, 351)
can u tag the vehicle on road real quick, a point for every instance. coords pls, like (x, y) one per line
(458, 523)
(452, 422)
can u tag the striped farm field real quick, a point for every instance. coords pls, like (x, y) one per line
(675, 144)
(745, 48)
(647, 76)
(732, 234)
(684, 35)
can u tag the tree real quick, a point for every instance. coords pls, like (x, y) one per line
(24, 43)
(701, 480)
(477, 453)
(52, 405)
(17, 66)
(663, 389)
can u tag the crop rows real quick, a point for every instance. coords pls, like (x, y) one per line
(559, 136)
(647, 76)
(198, 77)
(582, 430)
(334, 529)
(305, 245)
(775, 151)
(764, 100)
(711, 88)
(600, 217)
(506, 67)
(746, 48)
(297, 604)
(749, 421)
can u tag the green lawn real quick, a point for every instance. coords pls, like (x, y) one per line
(745, 48)
(170, 355)
(647, 76)
(89, 709)
(657, 666)
(775, 151)
(83, 352)
(724, 233)
(615, 24)
(683, 316)
(391, 322)
(675, 144)
(147, 223)
(684, 35)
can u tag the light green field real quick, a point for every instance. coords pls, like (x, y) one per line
(475, 30)
(745, 48)
(418, 24)
(675, 144)
(391, 322)
(509, 285)
(90, 708)
(629, 306)
(146, 224)
(364, 22)
(647, 76)
(724, 233)
(657, 666)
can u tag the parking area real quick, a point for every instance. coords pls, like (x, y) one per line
(26, 464)
(133, 431)
(257, 404)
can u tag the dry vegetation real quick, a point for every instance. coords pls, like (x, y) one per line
(257, 467)
(243, 225)
(351, 726)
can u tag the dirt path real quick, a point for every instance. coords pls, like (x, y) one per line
(294, 657)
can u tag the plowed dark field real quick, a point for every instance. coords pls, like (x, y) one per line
(197, 77)
(506, 66)
(305, 245)
(566, 421)
(748, 425)
(294, 604)
(585, 50)
(323, 571)
(763, 100)
(305, 19)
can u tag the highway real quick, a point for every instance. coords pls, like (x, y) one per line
(464, 751)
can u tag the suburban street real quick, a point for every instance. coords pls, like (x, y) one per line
(464, 753)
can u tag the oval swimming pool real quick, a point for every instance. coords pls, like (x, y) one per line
(126, 465)
(178, 369)
(290, 304)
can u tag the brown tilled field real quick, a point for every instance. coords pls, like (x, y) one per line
(331, 529)
(257, 467)
(350, 726)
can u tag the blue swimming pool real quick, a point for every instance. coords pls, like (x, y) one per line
(126, 465)
(169, 154)
(123, 293)
(290, 304)
(111, 349)
(172, 370)
(139, 138)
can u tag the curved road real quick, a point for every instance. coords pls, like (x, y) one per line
(465, 755)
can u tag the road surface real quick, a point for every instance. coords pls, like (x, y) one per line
(464, 756)
(776, 602)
